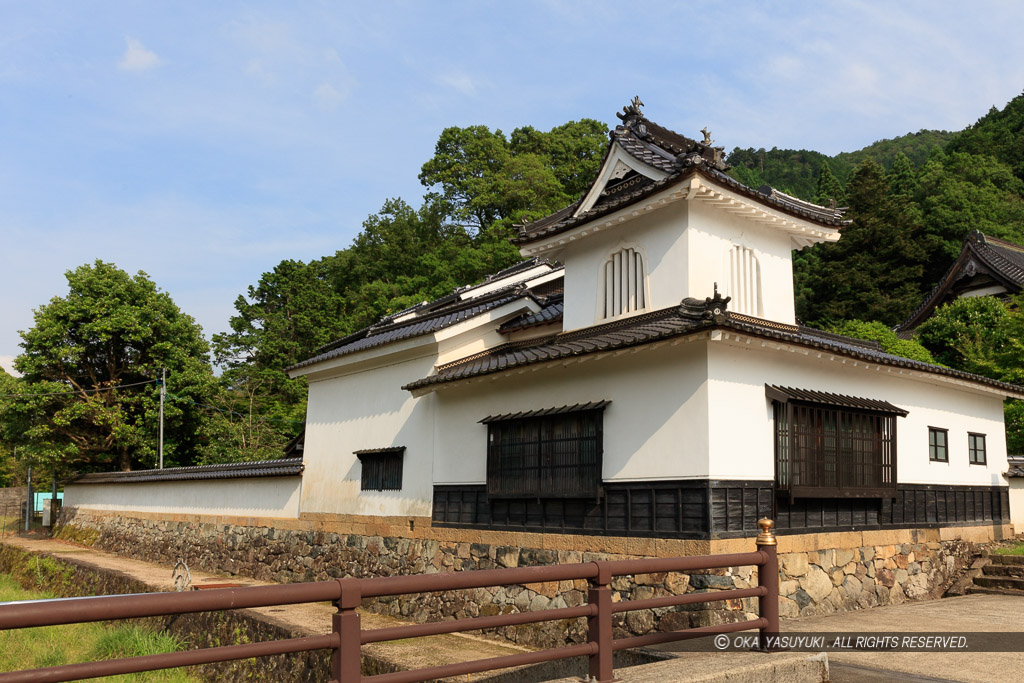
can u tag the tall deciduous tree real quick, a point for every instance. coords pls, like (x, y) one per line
(90, 360)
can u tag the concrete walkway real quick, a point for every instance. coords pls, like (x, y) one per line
(967, 614)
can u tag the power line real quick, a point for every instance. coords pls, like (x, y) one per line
(83, 391)
(231, 412)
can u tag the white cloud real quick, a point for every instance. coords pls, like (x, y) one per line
(328, 97)
(459, 81)
(137, 58)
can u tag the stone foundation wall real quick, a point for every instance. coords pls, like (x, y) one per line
(813, 581)
(13, 499)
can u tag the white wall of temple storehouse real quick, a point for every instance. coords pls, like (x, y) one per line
(742, 424)
(264, 497)
(654, 428)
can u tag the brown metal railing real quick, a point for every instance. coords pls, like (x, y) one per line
(347, 635)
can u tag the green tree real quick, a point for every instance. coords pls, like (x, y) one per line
(985, 336)
(999, 134)
(902, 176)
(873, 271)
(890, 343)
(829, 188)
(90, 361)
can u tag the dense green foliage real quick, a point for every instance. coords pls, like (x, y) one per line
(87, 396)
(890, 343)
(985, 336)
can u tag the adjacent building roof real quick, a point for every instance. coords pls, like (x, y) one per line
(983, 261)
(433, 316)
(679, 157)
(1016, 463)
(554, 308)
(286, 467)
(691, 317)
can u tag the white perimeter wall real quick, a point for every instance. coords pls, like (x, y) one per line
(1017, 503)
(655, 427)
(246, 497)
(360, 411)
(741, 426)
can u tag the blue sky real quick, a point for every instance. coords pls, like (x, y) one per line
(205, 142)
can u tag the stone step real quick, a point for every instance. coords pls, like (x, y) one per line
(999, 582)
(1015, 570)
(994, 591)
(1007, 559)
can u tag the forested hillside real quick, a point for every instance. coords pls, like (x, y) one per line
(912, 200)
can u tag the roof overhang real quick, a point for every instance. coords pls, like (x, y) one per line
(694, 186)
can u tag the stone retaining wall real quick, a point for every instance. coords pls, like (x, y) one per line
(12, 499)
(811, 582)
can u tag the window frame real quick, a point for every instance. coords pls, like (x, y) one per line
(933, 445)
(972, 449)
(529, 456)
(382, 469)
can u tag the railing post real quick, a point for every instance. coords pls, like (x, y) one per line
(599, 626)
(346, 660)
(768, 578)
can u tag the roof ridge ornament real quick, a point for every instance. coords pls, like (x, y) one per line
(710, 310)
(632, 110)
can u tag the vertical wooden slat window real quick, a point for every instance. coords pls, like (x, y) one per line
(546, 456)
(381, 469)
(625, 278)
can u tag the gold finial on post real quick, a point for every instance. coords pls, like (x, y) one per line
(767, 535)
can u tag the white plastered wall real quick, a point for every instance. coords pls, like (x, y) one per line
(658, 234)
(741, 427)
(268, 497)
(365, 410)
(711, 236)
(1017, 503)
(655, 427)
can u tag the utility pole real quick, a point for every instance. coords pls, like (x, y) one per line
(163, 393)
(28, 500)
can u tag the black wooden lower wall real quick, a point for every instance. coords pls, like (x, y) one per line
(717, 509)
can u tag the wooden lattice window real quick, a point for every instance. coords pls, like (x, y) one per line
(382, 469)
(828, 450)
(546, 454)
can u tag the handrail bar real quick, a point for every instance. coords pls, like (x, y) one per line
(437, 628)
(170, 660)
(688, 599)
(478, 665)
(688, 634)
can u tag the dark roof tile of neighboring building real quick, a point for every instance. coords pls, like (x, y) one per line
(552, 312)
(680, 158)
(691, 317)
(433, 316)
(1016, 463)
(285, 467)
(1003, 261)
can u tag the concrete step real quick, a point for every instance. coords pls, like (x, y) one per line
(1007, 559)
(1015, 570)
(994, 591)
(999, 582)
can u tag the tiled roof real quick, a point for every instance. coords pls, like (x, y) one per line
(670, 323)
(679, 157)
(1002, 260)
(379, 451)
(433, 316)
(544, 412)
(553, 309)
(376, 336)
(286, 467)
(1016, 463)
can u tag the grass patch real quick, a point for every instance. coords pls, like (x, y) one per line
(55, 645)
(1011, 550)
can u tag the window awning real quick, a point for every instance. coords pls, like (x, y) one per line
(379, 451)
(578, 408)
(787, 394)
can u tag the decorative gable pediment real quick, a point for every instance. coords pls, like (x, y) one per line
(617, 165)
